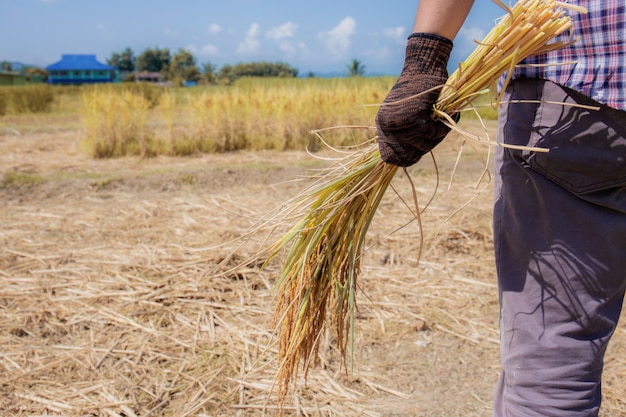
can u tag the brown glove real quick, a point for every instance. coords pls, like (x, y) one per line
(408, 130)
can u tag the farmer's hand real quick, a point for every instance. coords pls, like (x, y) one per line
(408, 130)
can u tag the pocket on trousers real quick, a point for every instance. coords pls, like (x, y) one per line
(587, 147)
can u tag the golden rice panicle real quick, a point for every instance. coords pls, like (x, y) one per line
(323, 262)
(318, 282)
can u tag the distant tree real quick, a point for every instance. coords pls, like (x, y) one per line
(265, 69)
(227, 74)
(210, 73)
(183, 66)
(125, 61)
(129, 78)
(193, 74)
(356, 68)
(154, 60)
(310, 74)
(6, 66)
(36, 72)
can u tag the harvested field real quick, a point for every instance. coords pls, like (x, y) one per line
(111, 303)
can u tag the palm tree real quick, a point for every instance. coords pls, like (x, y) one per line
(210, 73)
(356, 68)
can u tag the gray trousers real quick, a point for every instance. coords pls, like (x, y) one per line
(560, 246)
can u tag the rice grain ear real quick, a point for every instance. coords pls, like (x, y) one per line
(318, 283)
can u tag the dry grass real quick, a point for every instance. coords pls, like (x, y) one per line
(109, 304)
(254, 114)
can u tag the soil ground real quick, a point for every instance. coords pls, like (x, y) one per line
(112, 302)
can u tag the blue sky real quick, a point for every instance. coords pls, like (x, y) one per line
(318, 36)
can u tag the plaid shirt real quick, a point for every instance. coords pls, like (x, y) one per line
(596, 64)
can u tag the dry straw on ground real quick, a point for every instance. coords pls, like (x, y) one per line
(108, 306)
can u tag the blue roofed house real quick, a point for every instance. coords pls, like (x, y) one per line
(80, 69)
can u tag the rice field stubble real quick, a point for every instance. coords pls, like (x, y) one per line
(110, 305)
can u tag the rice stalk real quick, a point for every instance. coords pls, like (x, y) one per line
(319, 276)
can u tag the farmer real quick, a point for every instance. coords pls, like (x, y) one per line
(559, 217)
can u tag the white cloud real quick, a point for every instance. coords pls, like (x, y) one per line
(287, 47)
(169, 32)
(205, 50)
(397, 34)
(471, 33)
(250, 43)
(379, 53)
(292, 48)
(209, 49)
(301, 46)
(283, 31)
(214, 28)
(100, 26)
(283, 35)
(338, 39)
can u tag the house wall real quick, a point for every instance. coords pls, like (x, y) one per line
(81, 76)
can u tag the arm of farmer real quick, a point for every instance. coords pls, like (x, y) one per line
(407, 129)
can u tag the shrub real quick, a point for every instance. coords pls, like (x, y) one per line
(150, 92)
(37, 98)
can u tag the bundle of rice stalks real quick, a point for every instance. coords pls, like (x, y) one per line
(319, 277)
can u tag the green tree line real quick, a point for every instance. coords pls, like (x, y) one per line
(183, 66)
(177, 67)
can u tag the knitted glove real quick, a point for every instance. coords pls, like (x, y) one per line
(407, 130)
